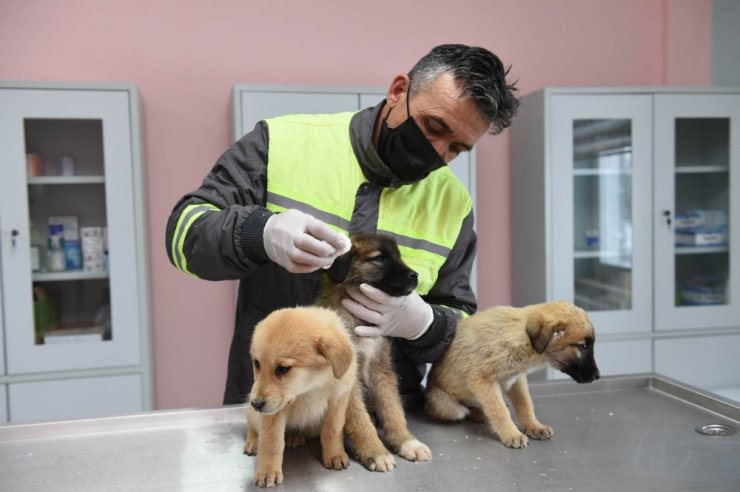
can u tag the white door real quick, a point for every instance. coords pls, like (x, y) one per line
(697, 211)
(95, 126)
(599, 195)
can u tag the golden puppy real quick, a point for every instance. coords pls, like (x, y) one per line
(491, 354)
(304, 371)
(374, 259)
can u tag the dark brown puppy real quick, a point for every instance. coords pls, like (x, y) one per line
(374, 259)
(491, 354)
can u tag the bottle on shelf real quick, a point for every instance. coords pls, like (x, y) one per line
(37, 264)
(55, 258)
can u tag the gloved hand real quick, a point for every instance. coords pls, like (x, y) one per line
(301, 243)
(404, 317)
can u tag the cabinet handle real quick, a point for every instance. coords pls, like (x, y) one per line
(667, 215)
(13, 234)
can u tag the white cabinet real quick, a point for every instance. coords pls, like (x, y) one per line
(626, 201)
(709, 362)
(63, 399)
(252, 103)
(72, 245)
(697, 168)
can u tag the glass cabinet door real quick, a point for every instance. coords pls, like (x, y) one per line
(601, 233)
(696, 192)
(67, 176)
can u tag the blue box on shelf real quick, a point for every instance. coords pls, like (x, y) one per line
(704, 290)
(73, 254)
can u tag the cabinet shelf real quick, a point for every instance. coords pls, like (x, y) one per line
(602, 172)
(693, 250)
(622, 292)
(620, 144)
(68, 275)
(586, 254)
(701, 169)
(66, 180)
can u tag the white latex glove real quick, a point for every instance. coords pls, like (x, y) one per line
(301, 243)
(404, 317)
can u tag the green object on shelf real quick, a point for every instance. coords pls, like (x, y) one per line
(44, 313)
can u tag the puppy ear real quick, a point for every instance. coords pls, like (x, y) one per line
(338, 352)
(338, 270)
(540, 331)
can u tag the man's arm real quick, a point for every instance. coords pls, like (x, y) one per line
(215, 232)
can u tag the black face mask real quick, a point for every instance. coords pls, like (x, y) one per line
(406, 150)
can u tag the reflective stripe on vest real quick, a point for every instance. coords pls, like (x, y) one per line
(312, 167)
(187, 218)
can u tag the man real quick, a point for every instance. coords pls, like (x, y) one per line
(275, 208)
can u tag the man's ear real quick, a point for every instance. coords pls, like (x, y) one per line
(540, 331)
(397, 89)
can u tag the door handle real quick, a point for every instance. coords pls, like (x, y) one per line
(13, 234)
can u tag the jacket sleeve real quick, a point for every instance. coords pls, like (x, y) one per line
(215, 232)
(451, 298)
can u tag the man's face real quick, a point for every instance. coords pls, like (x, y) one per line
(452, 125)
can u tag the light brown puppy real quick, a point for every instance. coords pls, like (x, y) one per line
(374, 259)
(491, 354)
(304, 372)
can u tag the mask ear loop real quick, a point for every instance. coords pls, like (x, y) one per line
(408, 96)
(408, 108)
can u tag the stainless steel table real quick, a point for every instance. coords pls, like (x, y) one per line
(621, 434)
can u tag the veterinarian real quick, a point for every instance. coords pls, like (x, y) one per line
(278, 205)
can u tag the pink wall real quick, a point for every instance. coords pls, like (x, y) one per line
(186, 56)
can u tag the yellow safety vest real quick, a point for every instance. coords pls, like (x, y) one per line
(312, 167)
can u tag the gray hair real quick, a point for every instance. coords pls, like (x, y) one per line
(481, 74)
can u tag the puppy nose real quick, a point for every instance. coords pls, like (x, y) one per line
(257, 404)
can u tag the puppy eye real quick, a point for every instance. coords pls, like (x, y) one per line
(379, 258)
(583, 347)
(256, 364)
(280, 370)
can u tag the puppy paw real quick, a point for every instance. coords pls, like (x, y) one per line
(415, 450)
(540, 432)
(336, 462)
(380, 463)
(294, 439)
(268, 477)
(250, 446)
(517, 441)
